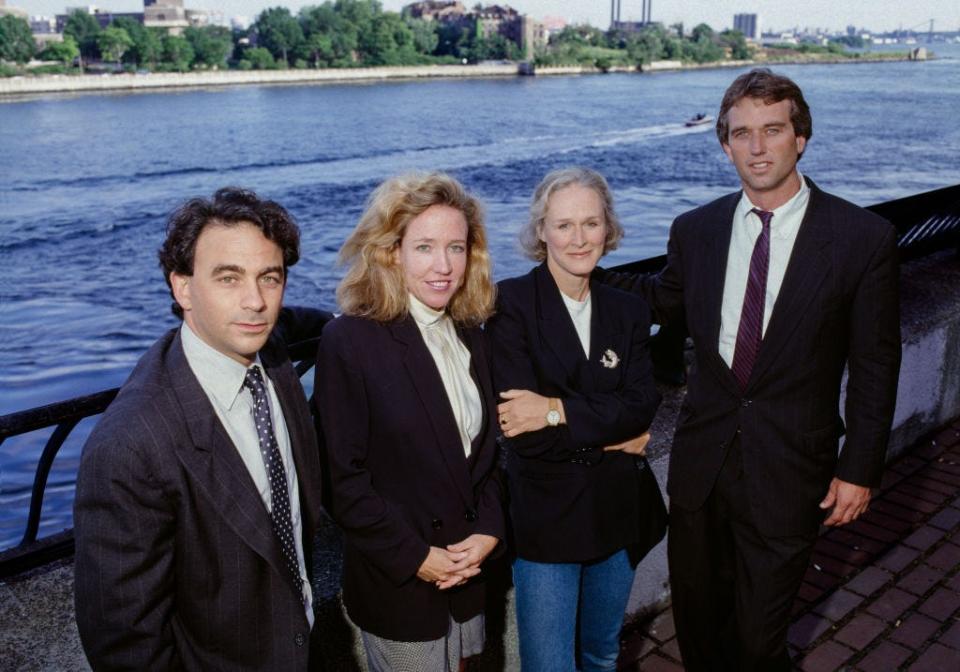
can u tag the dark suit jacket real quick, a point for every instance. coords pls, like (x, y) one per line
(570, 501)
(400, 479)
(177, 566)
(838, 306)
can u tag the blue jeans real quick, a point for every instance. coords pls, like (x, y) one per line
(551, 595)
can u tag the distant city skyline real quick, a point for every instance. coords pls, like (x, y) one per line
(877, 15)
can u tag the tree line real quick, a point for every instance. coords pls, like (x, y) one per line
(338, 33)
(353, 33)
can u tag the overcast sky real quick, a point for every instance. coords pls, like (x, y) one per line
(879, 15)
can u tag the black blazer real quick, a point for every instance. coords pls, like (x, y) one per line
(177, 566)
(570, 501)
(838, 306)
(400, 479)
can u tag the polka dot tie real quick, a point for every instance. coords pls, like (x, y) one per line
(279, 498)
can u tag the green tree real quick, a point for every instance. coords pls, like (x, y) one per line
(16, 39)
(737, 43)
(65, 52)
(147, 46)
(425, 36)
(318, 48)
(279, 32)
(83, 28)
(113, 43)
(177, 52)
(211, 45)
(702, 47)
(260, 58)
(323, 25)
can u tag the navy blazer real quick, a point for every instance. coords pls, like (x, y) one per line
(569, 500)
(177, 565)
(401, 481)
(838, 306)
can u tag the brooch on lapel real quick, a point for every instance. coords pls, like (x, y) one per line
(610, 359)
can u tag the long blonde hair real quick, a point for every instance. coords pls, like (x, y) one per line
(374, 287)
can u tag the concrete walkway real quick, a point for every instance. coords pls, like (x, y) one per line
(882, 593)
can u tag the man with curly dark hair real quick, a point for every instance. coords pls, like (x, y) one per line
(199, 488)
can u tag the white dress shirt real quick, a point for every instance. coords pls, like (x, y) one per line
(222, 380)
(746, 229)
(453, 361)
(580, 313)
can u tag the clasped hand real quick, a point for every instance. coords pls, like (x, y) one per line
(457, 563)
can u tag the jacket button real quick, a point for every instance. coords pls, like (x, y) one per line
(436, 523)
(470, 515)
(299, 639)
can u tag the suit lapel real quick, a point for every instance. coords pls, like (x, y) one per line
(215, 465)
(426, 380)
(806, 270)
(556, 329)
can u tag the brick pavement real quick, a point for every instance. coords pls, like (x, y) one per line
(882, 593)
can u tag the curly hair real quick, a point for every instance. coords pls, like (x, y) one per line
(228, 207)
(374, 286)
(553, 182)
(771, 88)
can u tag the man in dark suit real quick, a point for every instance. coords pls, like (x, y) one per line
(781, 286)
(199, 488)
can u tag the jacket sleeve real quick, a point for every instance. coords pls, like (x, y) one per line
(124, 571)
(296, 324)
(373, 525)
(594, 420)
(874, 366)
(662, 291)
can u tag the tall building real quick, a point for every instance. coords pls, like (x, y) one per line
(748, 24)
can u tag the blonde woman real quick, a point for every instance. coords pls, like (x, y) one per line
(404, 392)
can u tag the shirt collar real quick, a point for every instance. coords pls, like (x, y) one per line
(424, 315)
(220, 376)
(786, 218)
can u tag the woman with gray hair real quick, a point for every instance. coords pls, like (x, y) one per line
(405, 397)
(573, 370)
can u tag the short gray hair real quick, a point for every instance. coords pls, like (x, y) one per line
(555, 181)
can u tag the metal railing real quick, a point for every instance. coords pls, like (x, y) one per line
(926, 223)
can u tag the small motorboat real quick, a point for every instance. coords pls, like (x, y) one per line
(698, 120)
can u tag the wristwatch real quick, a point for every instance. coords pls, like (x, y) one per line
(553, 415)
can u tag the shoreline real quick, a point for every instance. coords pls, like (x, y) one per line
(41, 84)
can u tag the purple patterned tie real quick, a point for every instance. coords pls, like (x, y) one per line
(750, 332)
(280, 518)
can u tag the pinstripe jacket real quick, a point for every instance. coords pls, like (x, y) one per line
(176, 565)
(838, 307)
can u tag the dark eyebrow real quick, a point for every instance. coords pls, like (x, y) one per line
(233, 268)
(227, 268)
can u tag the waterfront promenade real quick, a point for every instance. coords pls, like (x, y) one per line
(16, 86)
(882, 593)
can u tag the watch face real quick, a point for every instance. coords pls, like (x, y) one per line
(553, 418)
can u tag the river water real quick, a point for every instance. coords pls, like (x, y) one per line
(88, 180)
